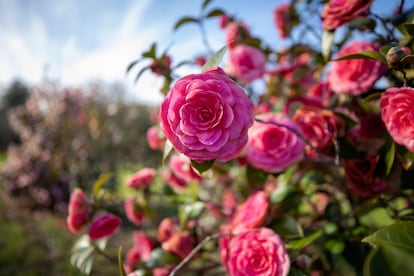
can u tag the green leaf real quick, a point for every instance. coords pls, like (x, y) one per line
(97, 186)
(161, 258)
(202, 167)
(215, 12)
(393, 250)
(327, 42)
(376, 218)
(409, 28)
(366, 54)
(215, 59)
(406, 157)
(140, 73)
(83, 253)
(132, 64)
(288, 227)
(300, 244)
(190, 211)
(255, 177)
(121, 263)
(152, 52)
(185, 20)
(168, 147)
(389, 157)
(205, 4)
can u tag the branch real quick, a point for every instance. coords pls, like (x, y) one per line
(193, 252)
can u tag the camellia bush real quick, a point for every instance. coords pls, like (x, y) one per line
(309, 174)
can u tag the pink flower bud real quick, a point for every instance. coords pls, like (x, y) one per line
(180, 243)
(78, 211)
(104, 225)
(141, 179)
(133, 211)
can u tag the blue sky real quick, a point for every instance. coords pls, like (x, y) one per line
(83, 40)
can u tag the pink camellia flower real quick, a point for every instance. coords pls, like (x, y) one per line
(224, 20)
(355, 76)
(397, 113)
(200, 60)
(339, 12)
(173, 180)
(145, 245)
(140, 251)
(78, 211)
(361, 177)
(257, 252)
(321, 92)
(180, 243)
(247, 63)
(166, 228)
(251, 214)
(104, 225)
(282, 19)
(181, 168)
(155, 138)
(141, 178)
(163, 271)
(320, 127)
(273, 144)
(133, 211)
(236, 32)
(206, 116)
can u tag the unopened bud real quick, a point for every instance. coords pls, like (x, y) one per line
(394, 56)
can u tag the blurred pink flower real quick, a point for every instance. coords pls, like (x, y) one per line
(78, 211)
(236, 32)
(181, 167)
(339, 12)
(274, 147)
(180, 243)
(166, 228)
(103, 226)
(282, 19)
(361, 177)
(141, 178)
(247, 63)
(320, 127)
(250, 214)
(133, 211)
(155, 138)
(398, 115)
(206, 116)
(355, 76)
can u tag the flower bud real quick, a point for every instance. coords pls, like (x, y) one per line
(394, 56)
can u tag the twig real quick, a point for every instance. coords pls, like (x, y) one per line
(193, 252)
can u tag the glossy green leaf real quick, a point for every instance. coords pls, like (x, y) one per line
(288, 227)
(389, 157)
(327, 42)
(168, 147)
(405, 156)
(215, 59)
(202, 167)
(205, 4)
(366, 54)
(255, 177)
(83, 253)
(132, 64)
(190, 211)
(393, 250)
(185, 20)
(97, 186)
(215, 12)
(300, 244)
(376, 218)
(161, 258)
(152, 52)
(140, 72)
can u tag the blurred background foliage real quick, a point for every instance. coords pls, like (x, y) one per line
(51, 141)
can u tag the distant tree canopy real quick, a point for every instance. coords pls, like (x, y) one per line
(16, 94)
